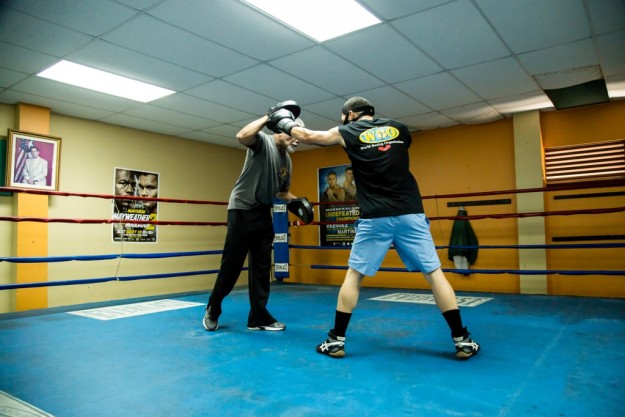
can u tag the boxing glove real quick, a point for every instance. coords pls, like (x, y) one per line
(282, 117)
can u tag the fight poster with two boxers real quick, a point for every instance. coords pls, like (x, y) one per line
(135, 183)
(338, 203)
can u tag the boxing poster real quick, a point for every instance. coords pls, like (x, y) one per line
(337, 198)
(135, 183)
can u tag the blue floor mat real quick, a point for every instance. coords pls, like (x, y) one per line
(541, 356)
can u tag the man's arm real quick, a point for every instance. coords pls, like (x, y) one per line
(247, 135)
(318, 137)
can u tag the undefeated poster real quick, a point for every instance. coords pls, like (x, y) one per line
(135, 183)
(337, 194)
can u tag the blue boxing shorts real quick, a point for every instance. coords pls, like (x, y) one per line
(409, 233)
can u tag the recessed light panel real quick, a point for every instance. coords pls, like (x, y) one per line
(103, 82)
(319, 19)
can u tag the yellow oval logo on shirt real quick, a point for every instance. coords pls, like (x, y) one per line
(379, 134)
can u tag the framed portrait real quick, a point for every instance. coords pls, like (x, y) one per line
(33, 160)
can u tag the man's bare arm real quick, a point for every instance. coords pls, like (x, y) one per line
(247, 135)
(318, 137)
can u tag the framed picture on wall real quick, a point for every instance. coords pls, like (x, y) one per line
(33, 160)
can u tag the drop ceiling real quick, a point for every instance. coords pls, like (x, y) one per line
(430, 63)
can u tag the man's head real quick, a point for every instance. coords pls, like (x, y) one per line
(34, 151)
(124, 186)
(349, 174)
(331, 179)
(148, 187)
(355, 108)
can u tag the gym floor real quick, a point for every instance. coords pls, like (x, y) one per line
(541, 356)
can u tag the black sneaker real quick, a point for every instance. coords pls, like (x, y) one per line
(208, 323)
(465, 346)
(273, 327)
(333, 346)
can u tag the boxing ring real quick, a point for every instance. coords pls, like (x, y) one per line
(542, 355)
(283, 245)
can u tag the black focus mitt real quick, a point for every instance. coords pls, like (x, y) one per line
(290, 105)
(302, 208)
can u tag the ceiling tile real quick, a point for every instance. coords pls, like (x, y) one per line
(328, 71)
(369, 49)
(568, 78)
(109, 57)
(24, 60)
(427, 121)
(473, 113)
(171, 117)
(19, 29)
(398, 8)
(93, 17)
(607, 15)
(439, 91)
(9, 77)
(559, 58)
(227, 131)
(444, 55)
(612, 53)
(192, 105)
(230, 95)
(56, 106)
(157, 39)
(316, 122)
(139, 4)
(390, 102)
(496, 79)
(272, 82)
(257, 35)
(454, 35)
(527, 25)
(330, 109)
(143, 124)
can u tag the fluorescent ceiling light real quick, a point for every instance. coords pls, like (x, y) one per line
(319, 19)
(104, 82)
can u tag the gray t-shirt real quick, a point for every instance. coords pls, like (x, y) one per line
(266, 171)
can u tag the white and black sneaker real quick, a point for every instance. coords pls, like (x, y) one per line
(334, 346)
(465, 346)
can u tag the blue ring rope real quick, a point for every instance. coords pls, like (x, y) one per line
(107, 279)
(547, 246)
(494, 271)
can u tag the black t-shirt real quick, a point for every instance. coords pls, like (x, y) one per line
(378, 150)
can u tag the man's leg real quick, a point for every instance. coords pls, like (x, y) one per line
(372, 241)
(232, 259)
(259, 278)
(444, 294)
(445, 299)
(346, 303)
(350, 291)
